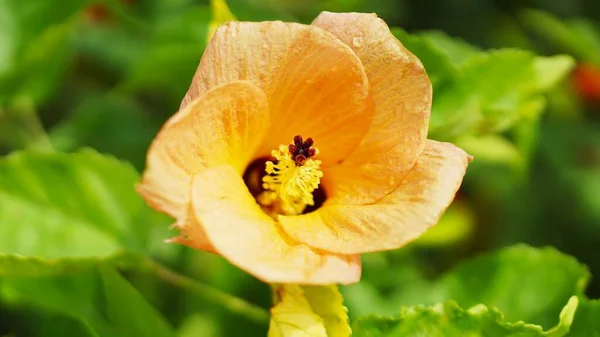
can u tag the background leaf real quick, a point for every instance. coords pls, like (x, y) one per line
(540, 282)
(586, 322)
(92, 193)
(18, 319)
(128, 310)
(12, 265)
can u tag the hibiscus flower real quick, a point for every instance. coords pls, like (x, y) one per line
(299, 147)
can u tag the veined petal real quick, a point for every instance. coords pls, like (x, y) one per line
(242, 233)
(225, 126)
(400, 217)
(402, 101)
(315, 84)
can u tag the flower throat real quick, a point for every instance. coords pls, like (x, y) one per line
(291, 178)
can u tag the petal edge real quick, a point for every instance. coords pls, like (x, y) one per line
(402, 97)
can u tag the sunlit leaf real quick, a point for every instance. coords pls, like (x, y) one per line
(199, 325)
(539, 281)
(448, 320)
(458, 50)
(551, 70)
(472, 94)
(69, 205)
(492, 149)
(437, 62)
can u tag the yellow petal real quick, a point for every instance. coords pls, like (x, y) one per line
(242, 233)
(400, 217)
(225, 126)
(402, 102)
(315, 84)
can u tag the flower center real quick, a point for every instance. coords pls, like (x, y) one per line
(291, 179)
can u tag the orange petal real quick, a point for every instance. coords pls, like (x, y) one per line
(242, 233)
(416, 204)
(402, 98)
(225, 126)
(316, 85)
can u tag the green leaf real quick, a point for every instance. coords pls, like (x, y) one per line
(492, 149)
(129, 311)
(69, 205)
(458, 50)
(551, 70)
(525, 283)
(456, 225)
(437, 63)
(587, 320)
(577, 37)
(448, 319)
(40, 67)
(64, 215)
(472, 94)
(112, 49)
(12, 265)
(35, 58)
(8, 39)
(539, 282)
(33, 17)
(69, 294)
(293, 315)
(196, 325)
(18, 320)
(167, 66)
(483, 99)
(112, 123)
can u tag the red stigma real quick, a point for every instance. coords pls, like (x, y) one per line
(301, 151)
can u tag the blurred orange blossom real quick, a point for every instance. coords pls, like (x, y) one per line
(364, 100)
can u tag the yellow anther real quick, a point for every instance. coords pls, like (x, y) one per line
(289, 184)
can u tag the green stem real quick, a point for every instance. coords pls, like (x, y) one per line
(229, 302)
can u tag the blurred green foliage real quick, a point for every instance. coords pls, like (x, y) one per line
(516, 83)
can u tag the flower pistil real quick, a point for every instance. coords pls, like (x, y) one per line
(292, 178)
